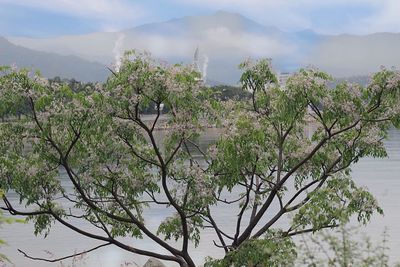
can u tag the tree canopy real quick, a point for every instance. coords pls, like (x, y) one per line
(282, 151)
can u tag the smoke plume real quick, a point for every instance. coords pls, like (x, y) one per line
(118, 50)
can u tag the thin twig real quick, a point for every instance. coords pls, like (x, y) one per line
(62, 258)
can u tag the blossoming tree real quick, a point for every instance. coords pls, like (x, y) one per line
(286, 151)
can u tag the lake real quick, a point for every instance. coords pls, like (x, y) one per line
(380, 176)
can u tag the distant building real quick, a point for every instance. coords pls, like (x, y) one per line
(282, 78)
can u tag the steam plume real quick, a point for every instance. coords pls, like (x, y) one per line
(118, 50)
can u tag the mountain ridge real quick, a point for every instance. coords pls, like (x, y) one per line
(225, 39)
(51, 64)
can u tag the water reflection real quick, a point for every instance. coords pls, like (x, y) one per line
(381, 176)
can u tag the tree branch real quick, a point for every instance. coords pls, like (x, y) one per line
(62, 258)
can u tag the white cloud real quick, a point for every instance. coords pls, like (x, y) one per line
(277, 4)
(254, 44)
(111, 13)
(212, 41)
(292, 15)
(386, 19)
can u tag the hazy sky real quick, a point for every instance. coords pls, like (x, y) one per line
(39, 18)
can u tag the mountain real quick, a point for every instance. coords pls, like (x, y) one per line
(224, 40)
(50, 64)
(192, 25)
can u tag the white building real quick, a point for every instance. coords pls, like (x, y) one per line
(282, 78)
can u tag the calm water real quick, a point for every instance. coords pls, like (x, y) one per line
(380, 176)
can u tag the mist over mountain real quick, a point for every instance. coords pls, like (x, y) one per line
(226, 39)
(352, 55)
(50, 64)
